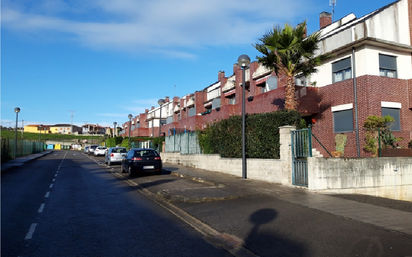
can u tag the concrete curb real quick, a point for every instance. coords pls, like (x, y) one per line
(20, 161)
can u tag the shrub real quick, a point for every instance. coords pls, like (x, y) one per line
(262, 135)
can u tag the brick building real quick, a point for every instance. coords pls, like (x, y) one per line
(372, 54)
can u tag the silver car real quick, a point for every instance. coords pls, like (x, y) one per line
(114, 155)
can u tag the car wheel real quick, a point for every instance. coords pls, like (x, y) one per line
(131, 172)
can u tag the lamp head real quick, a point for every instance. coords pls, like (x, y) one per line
(161, 101)
(243, 61)
(17, 110)
(130, 116)
(115, 123)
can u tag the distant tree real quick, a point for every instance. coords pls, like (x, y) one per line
(287, 51)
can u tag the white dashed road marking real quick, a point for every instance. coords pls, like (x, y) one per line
(31, 231)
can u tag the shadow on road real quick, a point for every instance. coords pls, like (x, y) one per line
(264, 241)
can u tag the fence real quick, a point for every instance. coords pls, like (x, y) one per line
(24, 147)
(371, 143)
(143, 144)
(185, 143)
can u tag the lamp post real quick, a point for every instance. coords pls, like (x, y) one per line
(160, 102)
(16, 110)
(114, 131)
(40, 127)
(244, 62)
(130, 124)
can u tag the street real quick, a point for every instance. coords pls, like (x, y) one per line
(64, 204)
(71, 204)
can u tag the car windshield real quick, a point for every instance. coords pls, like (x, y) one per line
(148, 153)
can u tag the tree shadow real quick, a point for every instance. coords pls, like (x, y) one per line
(279, 102)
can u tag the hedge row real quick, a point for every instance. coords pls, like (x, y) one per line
(262, 135)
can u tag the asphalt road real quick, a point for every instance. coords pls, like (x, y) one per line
(91, 211)
(64, 204)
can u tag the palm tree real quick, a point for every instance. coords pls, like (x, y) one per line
(288, 52)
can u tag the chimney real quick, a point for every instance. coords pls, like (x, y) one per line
(166, 99)
(325, 19)
(220, 75)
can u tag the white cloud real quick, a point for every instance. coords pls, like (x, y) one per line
(157, 26)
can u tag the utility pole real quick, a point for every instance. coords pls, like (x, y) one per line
(71, 128)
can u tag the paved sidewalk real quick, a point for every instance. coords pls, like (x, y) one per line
(226, 186)
(19, 161)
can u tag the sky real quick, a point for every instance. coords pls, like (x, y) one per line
(96, 61)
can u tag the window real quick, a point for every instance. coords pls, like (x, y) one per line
(232, 99)
(192, 111)
(393, 110)
(387, 66)
(342, 118)
(215, 103)
(341, 70)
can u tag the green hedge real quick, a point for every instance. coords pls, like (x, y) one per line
(262, 135)
(113, 141)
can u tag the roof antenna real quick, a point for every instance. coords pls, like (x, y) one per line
(333, 4)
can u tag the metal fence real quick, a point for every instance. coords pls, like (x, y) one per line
(24, 147)
(143, 144)
(185, 143)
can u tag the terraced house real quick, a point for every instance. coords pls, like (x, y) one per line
(370, 73)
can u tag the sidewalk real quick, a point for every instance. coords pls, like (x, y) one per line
(220, 186)
(19, 161)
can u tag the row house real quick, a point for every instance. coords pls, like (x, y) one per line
(93, 129)
(370, 73)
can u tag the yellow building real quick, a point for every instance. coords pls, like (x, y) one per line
(37, 129)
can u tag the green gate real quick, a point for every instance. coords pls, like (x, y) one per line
(301, 150)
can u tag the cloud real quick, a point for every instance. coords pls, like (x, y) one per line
(157, 26)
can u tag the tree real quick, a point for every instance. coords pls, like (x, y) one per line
(288, 52)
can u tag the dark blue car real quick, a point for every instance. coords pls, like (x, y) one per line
(141, 160)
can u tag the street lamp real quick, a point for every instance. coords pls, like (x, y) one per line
(114, 131)
(244, 62)
(130, 125)
(160, 102)
(16, 110)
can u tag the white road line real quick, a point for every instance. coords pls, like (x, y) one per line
(51, 186)
(55, 175)
(41, 208)
(29, 234)
(54, 180)
(47, 194)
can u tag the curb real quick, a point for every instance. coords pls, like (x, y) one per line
(166, 195)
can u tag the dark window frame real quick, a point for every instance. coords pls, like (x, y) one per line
(388, 63)
(396, 125)
(338, 120)
(342, 65)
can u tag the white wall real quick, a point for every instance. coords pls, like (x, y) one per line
(389, 177)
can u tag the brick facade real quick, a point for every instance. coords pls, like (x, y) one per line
(314, 103)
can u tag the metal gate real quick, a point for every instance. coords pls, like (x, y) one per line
(301, 150)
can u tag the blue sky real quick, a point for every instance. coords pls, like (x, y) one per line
(105, 59)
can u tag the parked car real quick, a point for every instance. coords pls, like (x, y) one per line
(86, 149)
(114, 155)
(141, 160)
(100, 150)
(91, 149)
